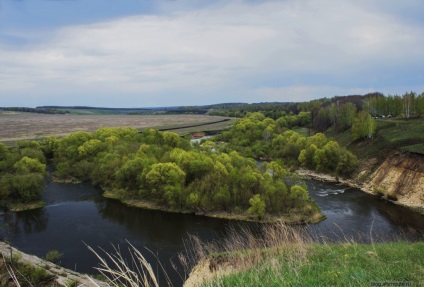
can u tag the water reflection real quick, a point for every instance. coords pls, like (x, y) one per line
(19, 223)
(159, 227)
(78, 213)
(352, 214)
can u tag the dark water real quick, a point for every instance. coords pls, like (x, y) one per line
(353, 214)
(76, 215)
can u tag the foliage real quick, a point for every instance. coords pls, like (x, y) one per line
(25, 274)
(22, 171)
(363, 126)
(261, 137)
(53, 256)
(257, 206)
(165, 169)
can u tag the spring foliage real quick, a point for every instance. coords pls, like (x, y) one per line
(258, 136)
(22, 171)
(164, 168)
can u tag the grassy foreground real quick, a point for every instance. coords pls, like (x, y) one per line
(280, 255)
(336, 265)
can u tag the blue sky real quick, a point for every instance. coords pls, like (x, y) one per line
(143, 53)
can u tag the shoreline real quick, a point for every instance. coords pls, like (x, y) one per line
(63, 276)
(352, 183)
(293, 219)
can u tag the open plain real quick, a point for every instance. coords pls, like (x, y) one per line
(22, 126)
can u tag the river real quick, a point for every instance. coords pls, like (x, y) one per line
(76, 215)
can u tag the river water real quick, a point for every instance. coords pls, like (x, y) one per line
(77, 215)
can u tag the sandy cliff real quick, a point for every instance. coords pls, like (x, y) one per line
(400, 175)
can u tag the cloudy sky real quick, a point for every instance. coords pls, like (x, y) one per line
(146, 53)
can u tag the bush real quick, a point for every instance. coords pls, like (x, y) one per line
(53, 256)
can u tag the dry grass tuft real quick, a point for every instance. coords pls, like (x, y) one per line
(119, 272)
(244, 249)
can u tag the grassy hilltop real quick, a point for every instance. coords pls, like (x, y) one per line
(391, 135)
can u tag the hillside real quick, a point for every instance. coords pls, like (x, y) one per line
(391, 135)
(392, 163)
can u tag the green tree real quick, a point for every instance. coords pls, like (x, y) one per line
(257, 206)
(347, 115)
(347, 163)
(306, 156)
(3, 151)
(166, 181)
(298, 196)
(27, 187)
(332, 154)
(90, 148)
(29, 165)
(363, 126)
(171, 139)
(127, 174)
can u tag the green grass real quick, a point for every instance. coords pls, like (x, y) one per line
(391, 134)
(417, 148)
(26, 274)
(348, 264)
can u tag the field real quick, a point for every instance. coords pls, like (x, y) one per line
(394, 134)
(22, 126)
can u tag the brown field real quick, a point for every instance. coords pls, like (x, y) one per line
(21, 126)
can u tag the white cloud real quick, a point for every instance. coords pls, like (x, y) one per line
(229, 51)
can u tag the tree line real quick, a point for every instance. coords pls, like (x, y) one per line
(35, 110)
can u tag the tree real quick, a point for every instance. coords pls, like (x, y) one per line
(127, 174)
(347, 163)
(332, 154)
(166, 181)
(408, 104)
(257, 206)
(170, 138)
(347, 115)
(27, 187)
(3, 151)
(29, 165)
(420, 105)
(90, 148)
(363, 126)
(298, 196)
(306, 156)
(322, 120)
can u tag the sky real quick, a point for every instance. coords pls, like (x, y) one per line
(153, 53)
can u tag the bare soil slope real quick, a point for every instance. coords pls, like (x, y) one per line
(400, 176)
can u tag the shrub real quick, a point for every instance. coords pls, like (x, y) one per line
(53, 256)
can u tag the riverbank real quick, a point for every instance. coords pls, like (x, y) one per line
(365, 186)
(21, 206)
(58, 276)
(293, 218)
